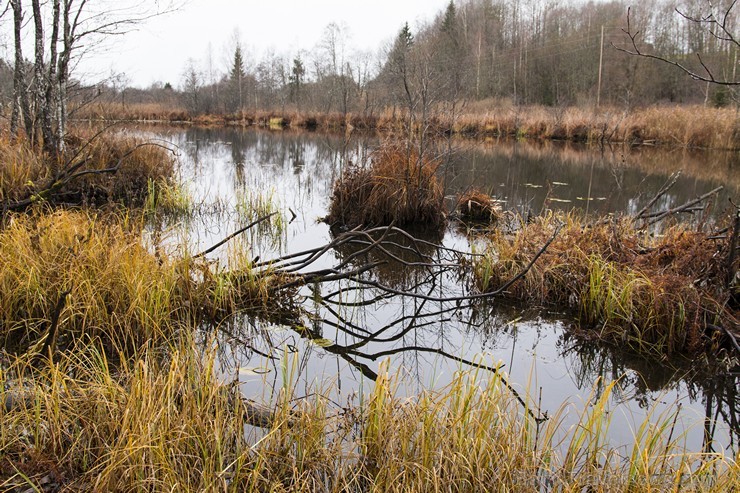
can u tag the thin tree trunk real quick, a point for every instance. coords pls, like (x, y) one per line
(51, 140)
(18, 79)
(39, 75)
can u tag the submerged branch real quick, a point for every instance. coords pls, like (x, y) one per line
(687, 207)
(234, 235)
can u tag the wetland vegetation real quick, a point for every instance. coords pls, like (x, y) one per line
(409, 283)
(111, 316)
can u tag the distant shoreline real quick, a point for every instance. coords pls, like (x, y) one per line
(688, 126)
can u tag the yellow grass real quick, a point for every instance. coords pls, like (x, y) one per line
(121, 290)
(165, 424)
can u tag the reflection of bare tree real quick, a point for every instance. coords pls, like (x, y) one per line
(716, 387)
(416, 253)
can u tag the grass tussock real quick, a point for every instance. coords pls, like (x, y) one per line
(398, 186)
(121, 290)
(169, 424)
(26, 172)
(657, 294)
(476, 205)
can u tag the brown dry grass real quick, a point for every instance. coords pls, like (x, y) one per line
(25, 170)
(655, 294)
(398, 186)
(684, 126)
(139, 112)
(476, 205)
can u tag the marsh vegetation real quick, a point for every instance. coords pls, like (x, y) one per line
(148, 346)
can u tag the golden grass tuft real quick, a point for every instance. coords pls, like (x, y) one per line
(398, 186)
(163, 424)
(120, 290)
(655, 294)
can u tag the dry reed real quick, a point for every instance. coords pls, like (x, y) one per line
(656, 294)
(398, 186)
(671, 125)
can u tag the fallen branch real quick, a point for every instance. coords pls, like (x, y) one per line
(687, 207)
(234, 235)
(664, 189)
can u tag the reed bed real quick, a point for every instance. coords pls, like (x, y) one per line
(656, 294)
(169, 423)
(683, 126)
(399, 186)
(138, 112)
(118, 288)
(690, 126)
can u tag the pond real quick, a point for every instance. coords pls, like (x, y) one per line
(347, 329)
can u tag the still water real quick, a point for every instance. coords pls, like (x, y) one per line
(347, 329)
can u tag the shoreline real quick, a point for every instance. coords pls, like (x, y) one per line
(693, 127)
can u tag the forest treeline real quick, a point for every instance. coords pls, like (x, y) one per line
(483, 52)
(491, 51)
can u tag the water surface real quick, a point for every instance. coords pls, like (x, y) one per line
(345, 332)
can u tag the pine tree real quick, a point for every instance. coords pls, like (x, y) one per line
(449, 23)
(237, 69)
(237, 76)
(296, 79)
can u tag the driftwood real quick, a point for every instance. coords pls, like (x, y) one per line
(663, 190)
(689, 207)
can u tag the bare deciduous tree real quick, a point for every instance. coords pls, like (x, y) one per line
(62, 31)
(717, 20)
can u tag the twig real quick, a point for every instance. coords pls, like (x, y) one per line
(233, 235)
(659, 216)
(469, 297)
(709, 77)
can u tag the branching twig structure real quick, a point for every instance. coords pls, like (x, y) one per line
(718, 25)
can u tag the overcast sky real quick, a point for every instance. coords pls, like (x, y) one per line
(159, 50)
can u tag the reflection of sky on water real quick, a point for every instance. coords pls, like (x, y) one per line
(296, 172)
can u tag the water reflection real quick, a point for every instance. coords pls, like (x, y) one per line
(342, 329)
(530, 177)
